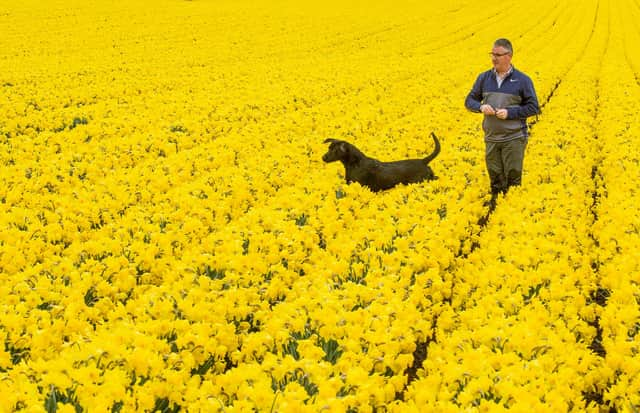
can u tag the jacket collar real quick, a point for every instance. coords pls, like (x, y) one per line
(509, 72)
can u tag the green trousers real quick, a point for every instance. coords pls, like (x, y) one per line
(504, 163)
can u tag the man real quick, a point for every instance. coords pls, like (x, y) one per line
(507, 98)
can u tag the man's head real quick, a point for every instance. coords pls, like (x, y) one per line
(501, 55)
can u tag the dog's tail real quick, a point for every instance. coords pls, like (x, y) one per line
(436, 150)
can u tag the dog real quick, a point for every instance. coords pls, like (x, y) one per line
(376, 175)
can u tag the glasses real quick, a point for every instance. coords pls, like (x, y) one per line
(499, 54)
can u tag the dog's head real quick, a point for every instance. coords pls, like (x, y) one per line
(338, 150)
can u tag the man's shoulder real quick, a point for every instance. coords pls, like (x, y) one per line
(486, 73)
(520, 75)
(484, 76)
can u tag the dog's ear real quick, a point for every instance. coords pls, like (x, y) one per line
(330, 140)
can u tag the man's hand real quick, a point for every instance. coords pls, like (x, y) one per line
(501, 113)
(487, 109)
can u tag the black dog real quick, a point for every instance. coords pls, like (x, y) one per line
(378, 175)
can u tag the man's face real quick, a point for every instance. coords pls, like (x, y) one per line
(501, 58)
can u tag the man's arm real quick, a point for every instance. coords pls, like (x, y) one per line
(528, 106)
(474, 98)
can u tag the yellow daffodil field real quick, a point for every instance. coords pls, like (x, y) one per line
(171, 240)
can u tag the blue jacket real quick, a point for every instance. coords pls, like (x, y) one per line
(516, 94)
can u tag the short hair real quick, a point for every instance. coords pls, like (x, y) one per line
(504, 43)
